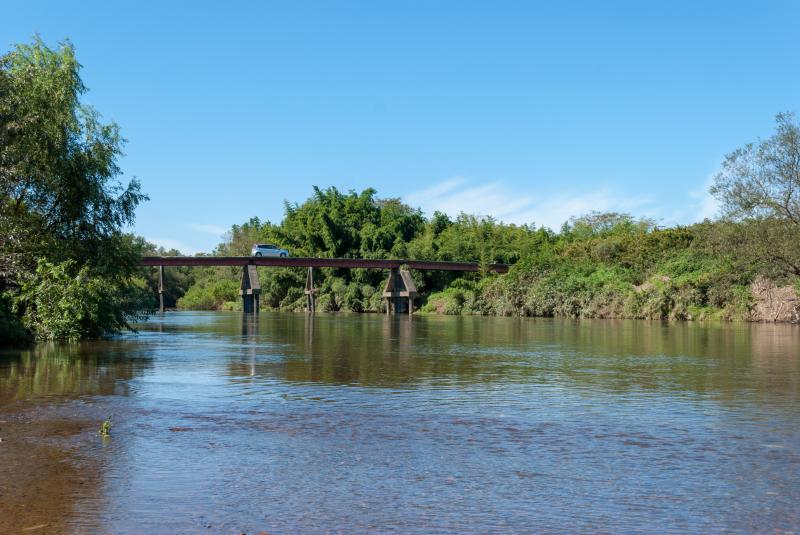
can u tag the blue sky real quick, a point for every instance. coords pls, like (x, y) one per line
(528, 111)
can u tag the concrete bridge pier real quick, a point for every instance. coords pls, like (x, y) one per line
(399, 292)
(310, 291)
(250, 290)
(161, 289)
(400, 285)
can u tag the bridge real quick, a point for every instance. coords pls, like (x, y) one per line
(398, 286)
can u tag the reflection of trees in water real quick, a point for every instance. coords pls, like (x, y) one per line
(605, 354)
(375, 351)
(50, 461)
(718, 358)
(339, 349)
(776, 358)
(69, 369)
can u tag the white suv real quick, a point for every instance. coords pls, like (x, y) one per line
(268, 249)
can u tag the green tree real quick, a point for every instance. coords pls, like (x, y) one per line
(63, 302)
(759, 186)
(762, 179)
(60, 194)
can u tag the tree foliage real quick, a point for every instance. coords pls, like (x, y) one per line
(762, 180)
(61, 199)
(356, 225)
(759, 187)
(59, 303)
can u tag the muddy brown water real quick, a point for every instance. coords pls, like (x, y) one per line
(369, 424)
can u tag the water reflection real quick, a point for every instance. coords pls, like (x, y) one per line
(618, 356)
(47, 469)
(47, 369)
(298, 423)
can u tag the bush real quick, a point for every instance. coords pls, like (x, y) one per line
(56, 304)
(450, 301)
(354, 298)
(210, 295)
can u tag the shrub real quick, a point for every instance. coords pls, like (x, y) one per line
(56, 304)
(210, 294)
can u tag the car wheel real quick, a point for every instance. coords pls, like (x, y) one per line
(283, 255)
(258, 254)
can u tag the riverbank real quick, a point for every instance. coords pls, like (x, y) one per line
(767, 303)
(764, 302)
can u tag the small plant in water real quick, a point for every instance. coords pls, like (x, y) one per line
(105, 428)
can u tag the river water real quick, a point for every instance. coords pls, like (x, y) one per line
(367, 423)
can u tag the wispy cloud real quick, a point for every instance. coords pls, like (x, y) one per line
(706, 206)
(438, 190)
(700, 205)
(495, 198)
(169, 243)
(208, 229)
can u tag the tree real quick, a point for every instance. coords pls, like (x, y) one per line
(762, 180)
(601, 223)
(759, 185)
(60, 194)
(58, 160)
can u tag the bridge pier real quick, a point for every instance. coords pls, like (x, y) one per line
(250, 290)
(309, 291)
(400, 285)
(161, 289)
(399, 292)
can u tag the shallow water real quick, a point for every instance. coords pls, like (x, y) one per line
(363, 423)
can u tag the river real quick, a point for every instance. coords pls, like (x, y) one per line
(366, 423)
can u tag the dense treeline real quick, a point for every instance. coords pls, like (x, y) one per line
(338, 225)
(67, 270)
(598, 265)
